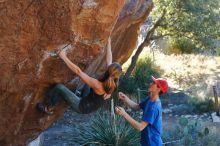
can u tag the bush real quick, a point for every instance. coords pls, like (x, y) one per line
(217, 50)
(105, 131)
(141, 76)
(180, 46)
(203, 106)
(186, 133)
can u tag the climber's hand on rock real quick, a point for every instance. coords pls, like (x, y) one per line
(62, 54)
(109, 40)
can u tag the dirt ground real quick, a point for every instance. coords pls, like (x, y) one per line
(169, 123)
(65, 131)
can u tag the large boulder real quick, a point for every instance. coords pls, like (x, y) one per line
(31, 32)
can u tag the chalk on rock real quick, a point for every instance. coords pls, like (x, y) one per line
(64, 47)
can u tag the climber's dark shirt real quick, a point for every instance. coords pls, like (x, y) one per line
(92, 102)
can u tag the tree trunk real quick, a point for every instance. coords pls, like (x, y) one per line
(146, 42)
(216, 101)
(134, 59)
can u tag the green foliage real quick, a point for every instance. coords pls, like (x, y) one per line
(217, 49)
(180, 46)
(145, 68)
(141, 76)
(128, 85)
(183, 122)
(109, 132)
(212, 143)
(187, 132)
(195, 20)
(203, 106)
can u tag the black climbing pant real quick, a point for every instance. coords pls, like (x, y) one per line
(84, 103)
(60, 92)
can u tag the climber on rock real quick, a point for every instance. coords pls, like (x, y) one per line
(94, 92)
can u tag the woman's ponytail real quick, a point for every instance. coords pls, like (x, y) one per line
(110, 85)
(112, 74)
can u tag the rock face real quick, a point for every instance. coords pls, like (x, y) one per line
(31, 31)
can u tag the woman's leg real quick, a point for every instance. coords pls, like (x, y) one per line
(61, 91)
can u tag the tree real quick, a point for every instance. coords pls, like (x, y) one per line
(195, 20)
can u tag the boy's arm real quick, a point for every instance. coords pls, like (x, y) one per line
(137, 125)
(128, 101)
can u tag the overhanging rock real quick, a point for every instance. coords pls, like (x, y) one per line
(31, 31)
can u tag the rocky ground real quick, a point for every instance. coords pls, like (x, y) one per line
(66, 129)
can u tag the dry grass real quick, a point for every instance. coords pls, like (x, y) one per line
(195, 74)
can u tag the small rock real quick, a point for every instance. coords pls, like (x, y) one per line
(166, 111)
(195, 116)
(187, 116)
(215, 118)
(170, 105)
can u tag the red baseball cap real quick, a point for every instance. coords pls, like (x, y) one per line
(162, 83)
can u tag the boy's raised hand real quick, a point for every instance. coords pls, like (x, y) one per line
(122, 97)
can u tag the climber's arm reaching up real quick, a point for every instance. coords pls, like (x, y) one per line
(109, 53)
(92, 82)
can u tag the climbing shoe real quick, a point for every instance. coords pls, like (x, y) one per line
(44, 109)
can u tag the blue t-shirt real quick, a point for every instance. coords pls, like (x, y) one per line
(152, 114)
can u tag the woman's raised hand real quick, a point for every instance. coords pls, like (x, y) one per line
(62, 54)
(109, 40)
(109, 53)
(120, 111)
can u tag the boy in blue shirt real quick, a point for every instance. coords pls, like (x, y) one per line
(151, 124)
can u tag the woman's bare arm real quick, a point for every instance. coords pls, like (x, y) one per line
(92, 82)
(109, 53)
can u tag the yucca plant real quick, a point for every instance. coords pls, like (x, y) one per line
(106, 131)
